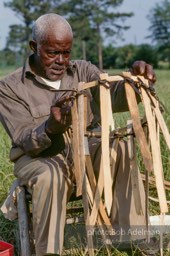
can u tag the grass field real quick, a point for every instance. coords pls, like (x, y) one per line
(8, 230)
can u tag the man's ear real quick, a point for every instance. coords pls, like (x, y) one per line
(33, 46)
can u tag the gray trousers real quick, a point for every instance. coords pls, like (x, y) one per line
(50, 180)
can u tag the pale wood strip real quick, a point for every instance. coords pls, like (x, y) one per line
(161, 120)
(105, 77)
(134, 168)
(156, 200)
(102, 219)
(85, 185)
(113, 157)
(89, 228)
(80, 106)
(158, 113)
(105, 159)
(85, 113)
(140, 136)
(76, 149)
(152, 182)
(157, 162)
(147, 204)
(130, 139)
(97, 197)
(114, 78)
(97, 190)
(105, 227)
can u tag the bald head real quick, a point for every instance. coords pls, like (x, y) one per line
(50, 23)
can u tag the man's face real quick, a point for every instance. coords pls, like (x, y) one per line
(52, 56)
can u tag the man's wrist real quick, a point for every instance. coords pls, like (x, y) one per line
(48, 130)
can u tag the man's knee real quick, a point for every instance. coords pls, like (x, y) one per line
(49, 175)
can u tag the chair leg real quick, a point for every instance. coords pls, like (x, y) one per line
(23, 222)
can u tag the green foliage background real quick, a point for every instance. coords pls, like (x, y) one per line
(96, 26)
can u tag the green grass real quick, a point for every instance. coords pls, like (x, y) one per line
(6, 167)
(8, 230)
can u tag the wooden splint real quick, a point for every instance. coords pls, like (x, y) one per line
(98, 209)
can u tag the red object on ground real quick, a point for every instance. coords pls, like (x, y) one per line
(6, 249)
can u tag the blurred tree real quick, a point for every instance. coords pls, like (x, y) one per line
(125, 56)
(95, 20)
(27, 11)
(164, 55)
(109, 56)
(7, 58)
(146, 53)
(83, 43)
(160, 27)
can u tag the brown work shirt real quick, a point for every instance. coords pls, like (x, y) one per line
(25, 106)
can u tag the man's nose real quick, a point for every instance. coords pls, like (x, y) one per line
(60, 58)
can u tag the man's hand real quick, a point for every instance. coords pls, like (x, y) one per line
(142, 68)
(60, 117)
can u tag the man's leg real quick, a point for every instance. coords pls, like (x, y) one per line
(49, 181)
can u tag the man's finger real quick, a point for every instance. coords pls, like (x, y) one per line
(138, 67)
(66, 110)
(60, 102)
(149, 73)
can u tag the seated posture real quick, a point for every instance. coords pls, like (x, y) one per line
(35, 119)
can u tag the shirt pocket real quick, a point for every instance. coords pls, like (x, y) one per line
(39, 111)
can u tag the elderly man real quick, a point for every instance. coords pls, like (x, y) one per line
(33, 115)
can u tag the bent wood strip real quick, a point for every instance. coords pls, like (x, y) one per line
(105, 77)
(152, 181)
(80, 106)
(89, 228)
(84, 181)
(161, 120)
(97, 202)
(75, 147)
(130, 139)
(102, 219)
(85, 113)
(95, 189)
(113, 156)
(134, 168)
(156, 200)
(140, 136)
(97, 197)
(157, 163)
(106, 228)
(114, 78)
(158, 114)
(105, 159)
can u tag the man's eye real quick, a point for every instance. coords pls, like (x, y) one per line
(66, 54)
(51, 54)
